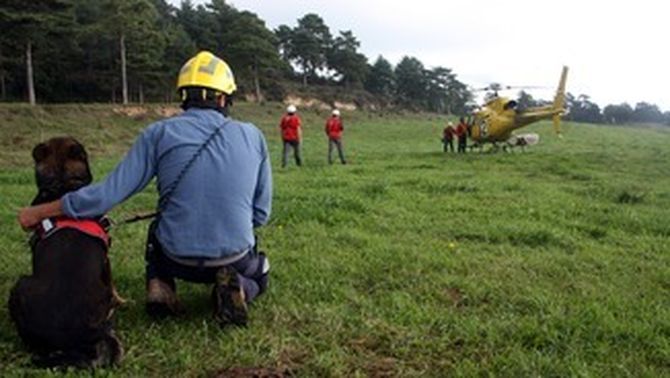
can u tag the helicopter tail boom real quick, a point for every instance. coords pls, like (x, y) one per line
(559, 101)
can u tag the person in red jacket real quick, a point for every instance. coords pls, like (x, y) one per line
(462, 133)
(291, 134)
(334, 130)
(448, 137)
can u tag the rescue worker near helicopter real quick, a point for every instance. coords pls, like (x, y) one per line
(291, 133)
(462, 134)
(448, 137)
(334, 130)
(214, 181)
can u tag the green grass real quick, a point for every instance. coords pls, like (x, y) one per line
(406, 262)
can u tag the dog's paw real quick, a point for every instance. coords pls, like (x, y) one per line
(109, 351)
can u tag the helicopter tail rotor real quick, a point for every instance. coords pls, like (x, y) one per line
(559, 101)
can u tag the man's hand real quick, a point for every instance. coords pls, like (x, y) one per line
(29, 217)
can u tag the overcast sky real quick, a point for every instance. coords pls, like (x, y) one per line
(617, 51)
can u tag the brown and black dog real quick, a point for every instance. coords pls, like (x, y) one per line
(63, 311)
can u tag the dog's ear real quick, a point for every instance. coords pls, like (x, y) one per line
(77, 152)
(40, 152)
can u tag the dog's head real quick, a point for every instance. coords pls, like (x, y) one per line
(61, 166)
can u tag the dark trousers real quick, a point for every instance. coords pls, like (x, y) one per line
(249, 269)
(296, 152)
(337, 143)
(448, 144)
(462, 143)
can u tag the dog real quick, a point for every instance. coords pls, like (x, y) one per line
(63, 311)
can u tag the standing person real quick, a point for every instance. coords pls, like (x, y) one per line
(448, 137)
(214, 180)
(334, 130)
(291, 133)
(462, 134)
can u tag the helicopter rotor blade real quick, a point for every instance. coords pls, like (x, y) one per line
(527, 87)
(509, 87)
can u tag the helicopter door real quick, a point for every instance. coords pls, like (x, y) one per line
(483, 128)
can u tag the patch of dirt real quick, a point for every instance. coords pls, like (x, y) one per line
(252, 372)
(250, 97)
(382, 367)
(168, 111)
(292, 357)
(363, 343)
(455, 296)
(345, 106)
(142, 111)
(130, 111)
(306, 103)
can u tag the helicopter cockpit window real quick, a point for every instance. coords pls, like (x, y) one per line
(510, 105)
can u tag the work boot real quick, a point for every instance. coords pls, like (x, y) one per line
(230, 304)
(161, 300)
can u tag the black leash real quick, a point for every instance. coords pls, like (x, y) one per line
(136, 218)
(163, 200)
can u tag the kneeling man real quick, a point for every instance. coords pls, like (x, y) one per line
(214, 180)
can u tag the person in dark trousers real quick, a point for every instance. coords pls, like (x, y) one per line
(462, 134)
(215, 187)
(291, 133)
(334, 130)
(448, 137)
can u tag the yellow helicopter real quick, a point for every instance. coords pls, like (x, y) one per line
(496, 120)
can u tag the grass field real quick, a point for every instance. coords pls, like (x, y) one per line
(406, 262)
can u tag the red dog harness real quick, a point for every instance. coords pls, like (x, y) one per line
(94, 228)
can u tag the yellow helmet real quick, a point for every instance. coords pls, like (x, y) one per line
(208, 71)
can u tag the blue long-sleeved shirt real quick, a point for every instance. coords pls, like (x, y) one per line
(225, 193)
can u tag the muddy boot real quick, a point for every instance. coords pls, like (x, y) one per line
(230, 306)
(161, 300)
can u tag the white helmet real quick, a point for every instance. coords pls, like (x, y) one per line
(336, 112)
(291, 109)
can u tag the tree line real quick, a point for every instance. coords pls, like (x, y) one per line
(582, 109)
(130, 50)
(125, 51)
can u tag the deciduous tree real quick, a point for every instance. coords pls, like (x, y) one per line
(646, 112)
(582, 109)
(306, 45)
(617, 114)
(344, 58)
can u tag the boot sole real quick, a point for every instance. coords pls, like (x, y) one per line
(229, 300)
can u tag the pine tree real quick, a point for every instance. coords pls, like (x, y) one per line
(134, 24)
(28, 25)
(251, 49)
(381, 78)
